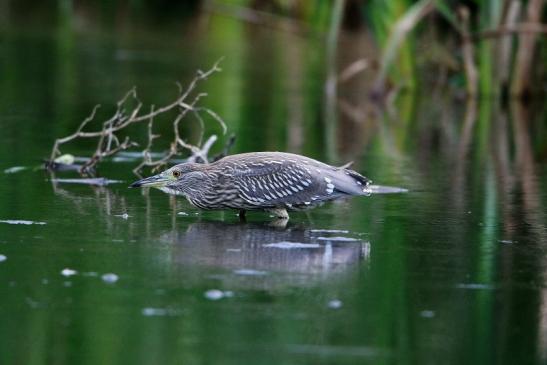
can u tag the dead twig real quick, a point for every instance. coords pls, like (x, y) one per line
(109, 143)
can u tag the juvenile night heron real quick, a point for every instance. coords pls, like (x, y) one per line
(270, 181)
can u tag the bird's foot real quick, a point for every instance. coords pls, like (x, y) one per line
(278, 223)
(279, 213)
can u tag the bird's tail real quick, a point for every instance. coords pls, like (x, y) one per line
(366, 186)
(362, 181)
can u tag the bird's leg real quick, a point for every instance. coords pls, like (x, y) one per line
(280, 213)
(242, 215)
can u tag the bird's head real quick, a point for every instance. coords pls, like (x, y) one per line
(176, 178)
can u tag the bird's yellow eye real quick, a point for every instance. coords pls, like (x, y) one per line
(176, 174)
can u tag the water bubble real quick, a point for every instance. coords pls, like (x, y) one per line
(506, 241)
(289, 245)
(250, 272)
(215, 294)
(3, 258)
(475, 286)
(110, 278)
(14, 169)
(338, 238)
(160, 312)
(329, 231)
(21, 221)
(68, 272)
(335, 304)
(150, 312)
(427, 314)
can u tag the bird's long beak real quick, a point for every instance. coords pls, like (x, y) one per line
(156, 181)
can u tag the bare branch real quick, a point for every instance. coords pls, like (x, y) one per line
(215, 117)
(201, 125)
(200, 155)
(55, 150)
(128, 113)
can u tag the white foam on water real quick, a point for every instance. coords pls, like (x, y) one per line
(291, 245)
(475, 286)
(215, 294)
(338, 238)
(14, 169)
(20, 221)
(427, 314)
(159, 312)
(68, 272)
(150, 312)
(250, 272)
(329, 231)
(110, 278)
(99, 181)
(508, 242)
(123, 159)
(335, 304)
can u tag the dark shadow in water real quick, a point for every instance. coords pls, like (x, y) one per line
(256, 248)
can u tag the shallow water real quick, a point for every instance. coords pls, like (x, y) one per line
(454, 271)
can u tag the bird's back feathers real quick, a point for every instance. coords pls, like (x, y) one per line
(276, 179)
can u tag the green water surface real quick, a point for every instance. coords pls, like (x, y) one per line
(453, 272)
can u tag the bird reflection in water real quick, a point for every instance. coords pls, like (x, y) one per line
(256, 247)
(246, 249)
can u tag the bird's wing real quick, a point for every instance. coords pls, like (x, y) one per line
(283, 183)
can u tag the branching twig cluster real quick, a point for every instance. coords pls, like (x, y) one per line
(127, 114)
